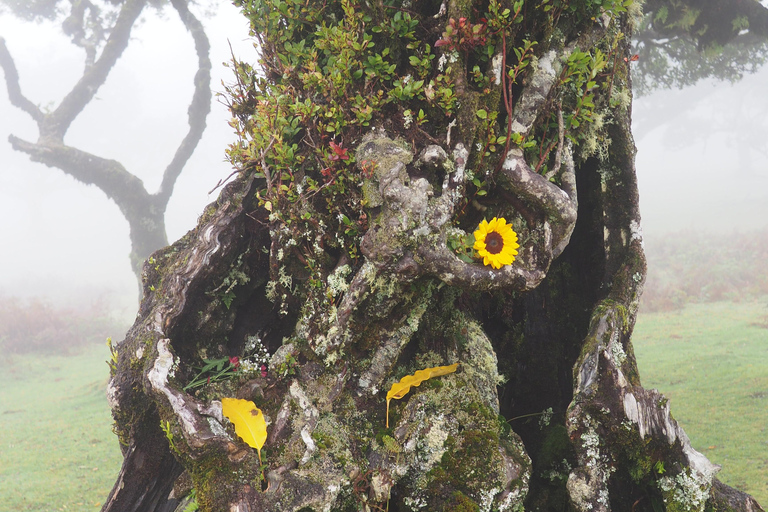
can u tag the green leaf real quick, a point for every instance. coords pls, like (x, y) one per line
(227, 298)
(465, 258)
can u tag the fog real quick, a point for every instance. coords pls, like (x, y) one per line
(702, 155)
(67, 241)
(702, 160)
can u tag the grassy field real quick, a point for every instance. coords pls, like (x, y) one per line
(711, 361)
(57, 451)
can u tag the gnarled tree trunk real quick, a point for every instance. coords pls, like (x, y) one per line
(341, 258)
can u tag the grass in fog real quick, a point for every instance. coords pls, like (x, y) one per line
(694, 267)
(36, 326)
(711, 361)
(57, 449)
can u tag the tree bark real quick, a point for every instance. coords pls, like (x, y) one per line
(344, 276)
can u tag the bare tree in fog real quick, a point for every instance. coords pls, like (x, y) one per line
(102, 29)
(680, 43)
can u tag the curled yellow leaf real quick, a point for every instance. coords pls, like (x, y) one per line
(400, 389)
(248, 421)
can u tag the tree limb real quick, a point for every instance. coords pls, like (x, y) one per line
(140, 209)
(109, 175)
(200, 106)
(540, 84)
(12, 83)
(75, 24)
(56, 124)
(536, 189)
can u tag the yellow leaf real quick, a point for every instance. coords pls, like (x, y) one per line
(248, 421)
(400, 389)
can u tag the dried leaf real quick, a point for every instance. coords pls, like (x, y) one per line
(400, 389)
(248, 421)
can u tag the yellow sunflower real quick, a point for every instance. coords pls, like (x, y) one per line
(496, 242)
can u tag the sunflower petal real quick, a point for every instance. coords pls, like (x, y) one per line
(508, 251)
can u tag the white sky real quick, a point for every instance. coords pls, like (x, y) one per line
(704, 167)
(63, 239)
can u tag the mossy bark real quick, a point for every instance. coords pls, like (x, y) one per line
(546, 410)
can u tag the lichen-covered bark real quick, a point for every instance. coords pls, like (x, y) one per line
(546, 410)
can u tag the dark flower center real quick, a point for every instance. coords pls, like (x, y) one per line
(494, 243)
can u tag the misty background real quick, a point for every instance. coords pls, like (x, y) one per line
(702, 160)
(66, 241)
(702, 166)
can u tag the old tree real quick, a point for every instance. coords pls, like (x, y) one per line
(373, 140)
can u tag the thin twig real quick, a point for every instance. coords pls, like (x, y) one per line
(545, 155)
(429, 137)
(12, 82)
(560, 142)
(558, 155)
(507, 97)
(448, 134)
(240, 84)
(265, 168)
(223, 181)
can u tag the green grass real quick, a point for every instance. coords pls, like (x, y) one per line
(711, 361)
(57, 449)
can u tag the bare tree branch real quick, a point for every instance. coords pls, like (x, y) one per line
(109, 175)
(200, 106)
(56, 124)
(143, 211)
(12, 83)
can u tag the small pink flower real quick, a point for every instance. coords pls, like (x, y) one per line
(263, 371)
(234, 361)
